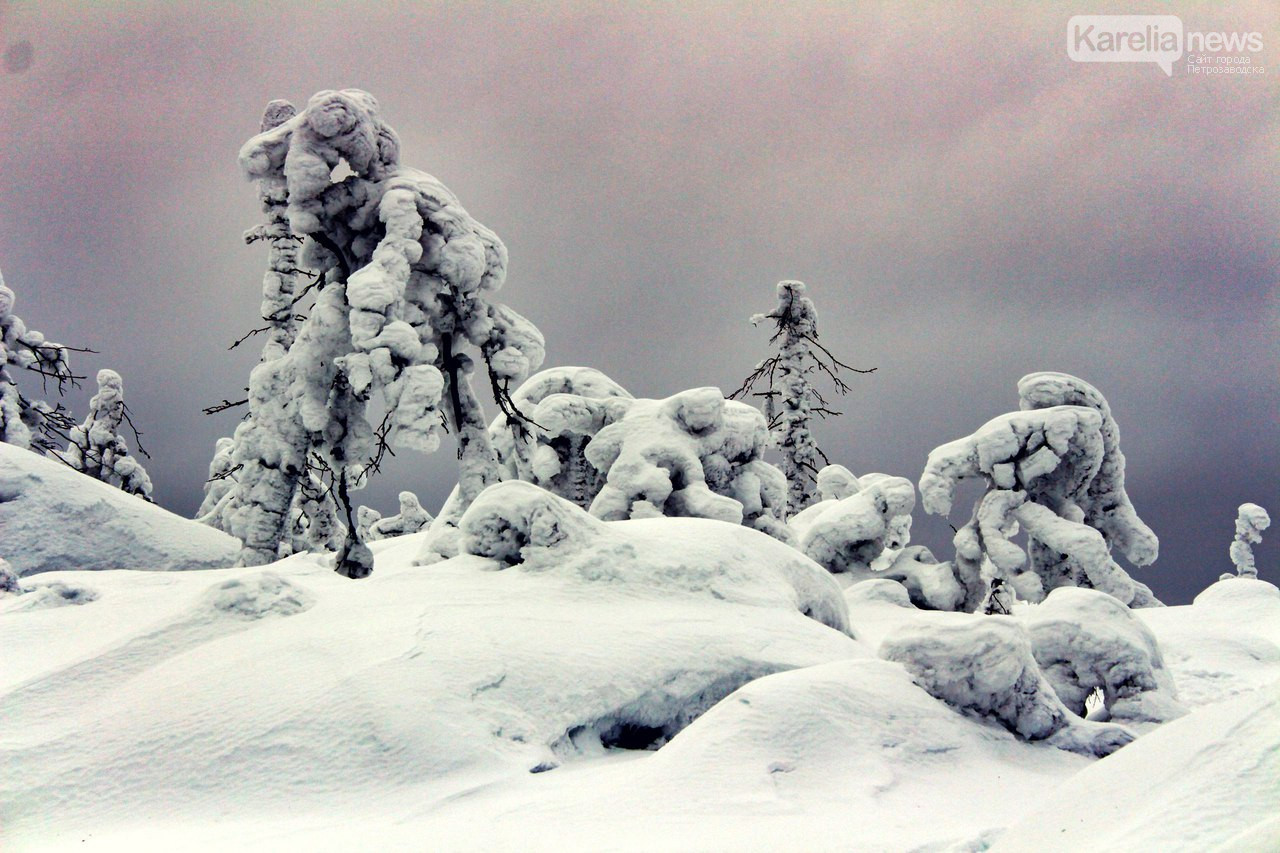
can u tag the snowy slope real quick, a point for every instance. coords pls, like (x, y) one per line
(1209, 781)
(53, 518)
(459, 706)
(292, 691)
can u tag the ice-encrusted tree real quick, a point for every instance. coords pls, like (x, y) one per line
(785, 380)
(28, 423)
(405, 282)
(1251, 520)
(96, 447)
(1054, 470)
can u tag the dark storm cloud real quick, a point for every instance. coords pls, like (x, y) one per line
(965, 203)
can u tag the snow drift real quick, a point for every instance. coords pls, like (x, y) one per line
(53, 518)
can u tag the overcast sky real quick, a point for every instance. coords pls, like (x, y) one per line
(966, 204)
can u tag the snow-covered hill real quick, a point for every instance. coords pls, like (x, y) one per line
(53, 518)
(470, 705)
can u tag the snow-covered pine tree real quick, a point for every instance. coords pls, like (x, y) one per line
(405, 281)
(31, 424)
(96, 447)
(1251, 520)
(791, 400)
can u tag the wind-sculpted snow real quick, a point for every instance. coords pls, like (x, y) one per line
(692, 455)
(1055, 471)
(1084, 640)
(984, 666)
(53, 518)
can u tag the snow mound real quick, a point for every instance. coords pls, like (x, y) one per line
(983, 666)
(55, 519)
(1204, 782)
(519, 524)
(844, 755)
(1226, 643)
(258, 596)
(42, 596)
(1085, 640)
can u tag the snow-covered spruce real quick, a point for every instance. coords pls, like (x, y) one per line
(29, 423)
(1085, 640)
(219, 488)
(983, 666)
(97, 448)
(791, 400)
(365, 518)
(279, 313)
(1055, 470)
(694, 454)
(566, 407)
(411, 518)
(406, 282)
(563, 408)
(1251, 520)
(849, 534)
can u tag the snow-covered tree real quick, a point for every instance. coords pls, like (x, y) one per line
(791, 399)
(366, 516)
(411, 518)
(694, 454)
(405, 282)
(848, 534)
(985, 668)
(220, 485)
(1055, 470)
(97, 448)
(30, 424)
(1251, 520)
(8, 580)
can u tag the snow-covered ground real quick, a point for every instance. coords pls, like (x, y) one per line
(472, 705)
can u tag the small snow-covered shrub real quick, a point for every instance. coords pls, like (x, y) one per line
(692, 455)
(983, 666)
(8, 580)
(1251, 520)
(1054, 470)
(1085, 640)
(411, 518)
(257, 596)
